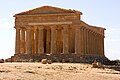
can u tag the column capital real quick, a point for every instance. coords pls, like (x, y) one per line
(94, 33)
(29, 28)
(35, 30)
(90, 31)
(23, 28)
(65, 26)
(77, 28)
(40, 27)
(35, 27)
(53, 27)
(87, 29)
(16, 27)
(83, 27)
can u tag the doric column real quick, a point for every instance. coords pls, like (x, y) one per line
(28, 41)
(65, 39)
(82, 40)
(22, 41)
(48, 41)
(33, 42)
(87, 42)
(77, 40)
(17, 42)
(98, 44)
(59, 40)
(36, 41)
(53, 39)
(92, 43)
(94, 40)
(102, 45)
(40, 40)
(95, 44)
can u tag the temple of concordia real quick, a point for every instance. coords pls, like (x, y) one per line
(57, 34)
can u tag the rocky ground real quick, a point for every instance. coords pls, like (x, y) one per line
(55, 71)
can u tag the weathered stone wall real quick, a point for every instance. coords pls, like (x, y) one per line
(72, 58)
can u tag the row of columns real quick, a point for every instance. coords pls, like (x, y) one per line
(88, 42)
(32, 41)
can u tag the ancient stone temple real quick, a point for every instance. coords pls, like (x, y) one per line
(55, 33)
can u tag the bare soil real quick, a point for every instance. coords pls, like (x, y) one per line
(55, 71)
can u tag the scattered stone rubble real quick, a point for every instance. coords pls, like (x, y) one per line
(96, 64)
(1, 60)
(45, 61)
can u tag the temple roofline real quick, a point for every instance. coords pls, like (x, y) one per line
(64, 10)
(92, 25)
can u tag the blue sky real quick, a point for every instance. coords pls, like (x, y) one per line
(103, 13)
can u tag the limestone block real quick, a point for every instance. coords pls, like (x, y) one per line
(49, 61)
(1, 60)
(97, 65)
(44, 61)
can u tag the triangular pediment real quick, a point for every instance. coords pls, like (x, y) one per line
(46, 10)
